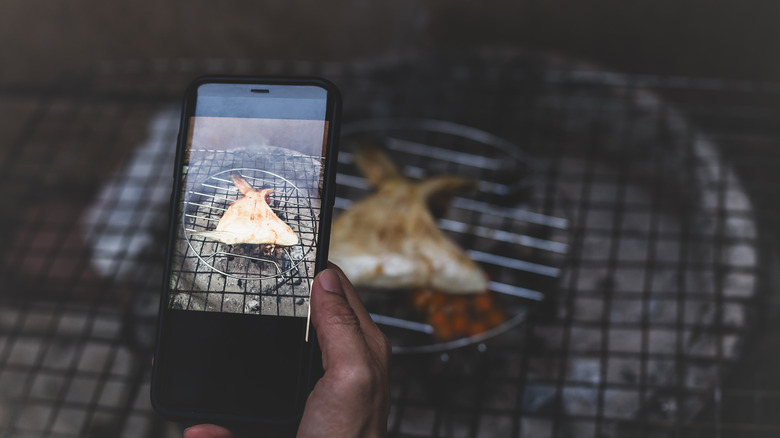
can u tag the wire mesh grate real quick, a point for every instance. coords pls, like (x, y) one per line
(661, 325)
(520, 249)
(257, 279)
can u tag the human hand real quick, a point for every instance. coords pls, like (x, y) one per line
(352, 397)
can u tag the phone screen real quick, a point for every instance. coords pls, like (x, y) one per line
(247, 238)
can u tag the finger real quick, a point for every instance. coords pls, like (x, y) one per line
(207, 431)
(336, 322)
(373, 336)
(354, 299)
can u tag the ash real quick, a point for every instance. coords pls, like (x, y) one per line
(272, 282)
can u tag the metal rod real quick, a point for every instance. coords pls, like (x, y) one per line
(503, 236)
(402, 323)
(520, 265)
(515, 291)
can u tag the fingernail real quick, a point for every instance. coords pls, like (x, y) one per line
(330, 281)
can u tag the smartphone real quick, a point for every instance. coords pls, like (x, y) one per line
(250, 216)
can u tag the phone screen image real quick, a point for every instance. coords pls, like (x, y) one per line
(249, 219)
(245, 245)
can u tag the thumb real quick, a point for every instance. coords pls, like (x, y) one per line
(207, 431)
(338, 326)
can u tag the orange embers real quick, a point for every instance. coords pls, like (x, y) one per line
(457, 316)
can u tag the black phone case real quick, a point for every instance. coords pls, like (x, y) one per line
(166, 323)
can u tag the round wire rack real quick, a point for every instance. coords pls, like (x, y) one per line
(520, 250)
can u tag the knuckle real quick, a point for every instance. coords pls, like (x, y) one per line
(365, 375)
(342, 316)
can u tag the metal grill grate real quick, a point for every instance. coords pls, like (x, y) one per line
(77, 278)
(520, 249)
(661, 326)
(261, 279)
(207, 208)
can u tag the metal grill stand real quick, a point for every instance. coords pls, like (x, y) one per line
(520, 249)
(214, 276)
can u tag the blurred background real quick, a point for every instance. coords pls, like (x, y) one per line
(644, 155)
(695, 38)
